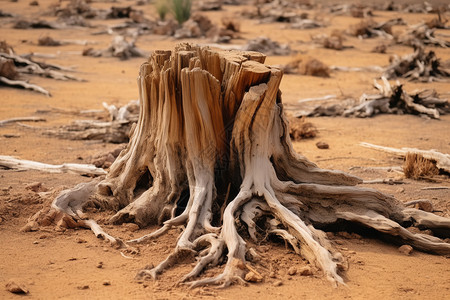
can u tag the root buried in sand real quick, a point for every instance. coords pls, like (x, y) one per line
(211, 154)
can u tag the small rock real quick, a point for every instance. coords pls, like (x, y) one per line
(34, 3)
(322, 145)
(83, 287)
(400, 190)
(36, 187)
(81, 241)
(253, 277)
(16, 287)
(100, 265)
(272, 275)
(35, 242)
(131, 226)
(426, 206)
(305, 271)
(278, 283)
(292, 271)
(106, 282)
(405, 249)
(30, 226)
(110, 158)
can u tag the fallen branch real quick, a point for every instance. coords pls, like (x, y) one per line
(10, 162)
(436, 188)
(387, 181)
(25, 85)
(21, 119)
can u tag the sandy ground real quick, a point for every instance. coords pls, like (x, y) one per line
(65, 265)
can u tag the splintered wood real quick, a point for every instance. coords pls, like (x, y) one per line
(211, 155)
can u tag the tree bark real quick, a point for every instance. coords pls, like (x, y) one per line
(212, 147)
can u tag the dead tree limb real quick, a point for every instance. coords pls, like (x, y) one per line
(21, 119)
(10, 162)
(212, 133)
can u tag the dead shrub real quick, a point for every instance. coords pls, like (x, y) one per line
(300, 129)
(418, 167)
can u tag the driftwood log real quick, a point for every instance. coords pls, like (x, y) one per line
(211, 154)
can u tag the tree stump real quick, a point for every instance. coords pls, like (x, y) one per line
(211, 152)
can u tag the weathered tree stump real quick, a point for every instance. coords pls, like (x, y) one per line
(212, 147)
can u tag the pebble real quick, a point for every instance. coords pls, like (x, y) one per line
(278, 283)
(253, 277)
(81, 241)
(100, 265)
(305, 271)
(83, 287)
(16, 287)
(272, 275)
(322, 145)
(400, 190)
(131, 227)
(292, 271)
(405, 249)
(106, 282)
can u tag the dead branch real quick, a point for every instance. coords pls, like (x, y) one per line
(25, 85)
(21, 119)
(10, 162)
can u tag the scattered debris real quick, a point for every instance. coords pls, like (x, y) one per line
(36, 24)
(380, 48)
(5, 14)
(300, 129)
(306, 24)
(423, 34)
(368, 28)
(49, 41)
(284, 11)
(421, 65)
(355, 10)
(418, 167)
(267, 46)
(208, 5)
(13, 66)
(114, 130)
(396, 100)
(120, 48)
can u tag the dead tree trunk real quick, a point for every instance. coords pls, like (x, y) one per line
(212, 147)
